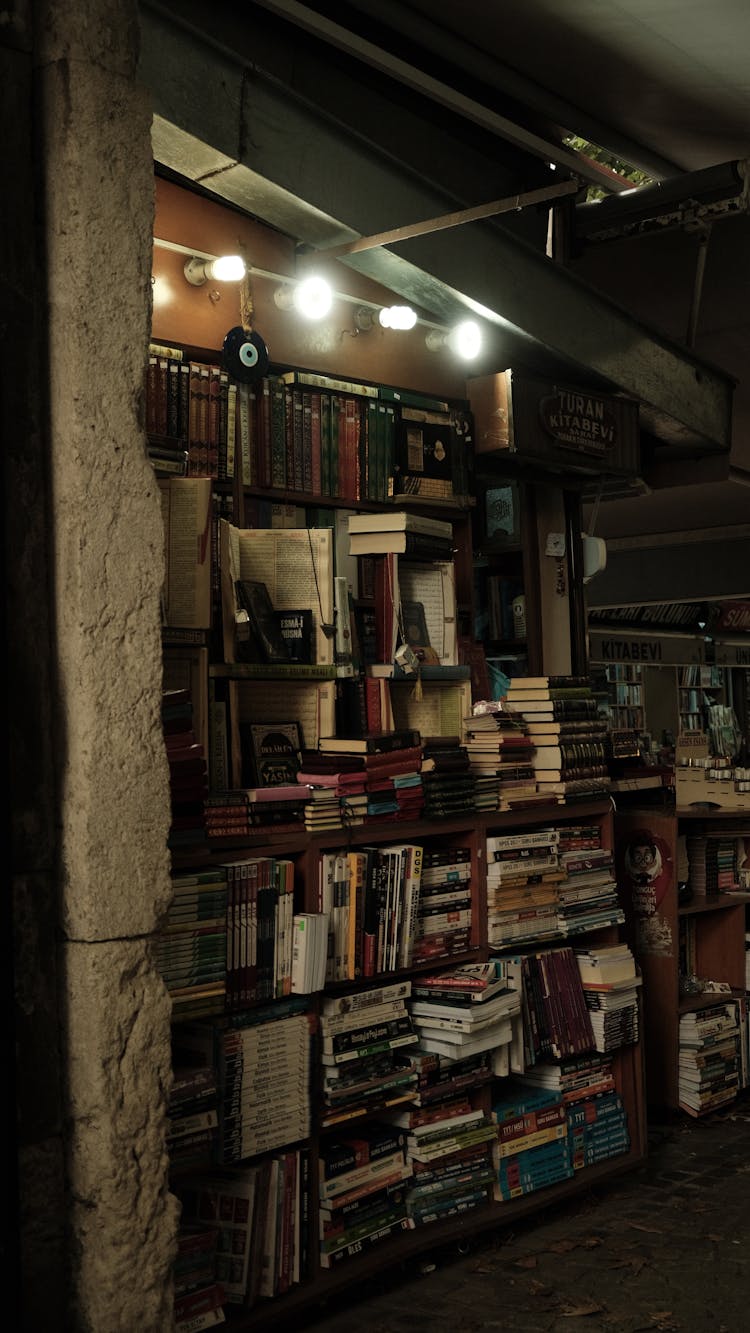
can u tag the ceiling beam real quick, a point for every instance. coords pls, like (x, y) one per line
(248, 137)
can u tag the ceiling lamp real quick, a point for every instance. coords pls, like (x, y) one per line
(227, 268)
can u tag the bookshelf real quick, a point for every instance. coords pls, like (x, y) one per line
(272, 1118)
(698, 688)
(680, 924)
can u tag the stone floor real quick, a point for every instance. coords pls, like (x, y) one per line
(665, 1247)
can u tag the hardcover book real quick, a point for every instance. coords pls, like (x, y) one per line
(265, 640)
(275, 753)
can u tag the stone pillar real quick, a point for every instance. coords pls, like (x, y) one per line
(111, 875)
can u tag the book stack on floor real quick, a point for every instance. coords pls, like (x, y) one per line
(193, 1118)
(259, 930)
(556, 1021)
(447, 780)
(371, 897)
(366, 1039)
(361, 1191)
(562, 720)
(587, 896)
(444, 912)
(191, 948)
(531, 1149)
(523, 877)
(188, 781)
(241, 811)
(709, 1057)
(198, 1297)
(610, 985)
(500, 752)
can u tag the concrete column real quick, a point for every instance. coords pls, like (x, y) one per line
(106, 549)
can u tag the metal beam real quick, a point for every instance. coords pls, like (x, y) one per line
(450, 220)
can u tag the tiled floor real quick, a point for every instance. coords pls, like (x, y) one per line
(666, 1247)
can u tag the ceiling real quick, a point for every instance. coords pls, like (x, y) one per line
(662, 84)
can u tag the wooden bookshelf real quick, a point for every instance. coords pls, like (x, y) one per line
(660, 929)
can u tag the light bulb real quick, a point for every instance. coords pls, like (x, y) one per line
(466, 340)
(227, 268)
(397, 317)
(313, 298)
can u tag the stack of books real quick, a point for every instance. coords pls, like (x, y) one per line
(556, 1021)
(457, 1023)
(576, 1079)
(413, 536)
(587, 897)
(238, 812)
(531, 1149)
(444, 912)
(191, 948)
(375, 777)
(367, 1038)
(597, 1129)
(196, 1292)
(523, 877)
(448, 782)
(259, 930)
(459, 1177)
(562, 720)
(709, 1057)
(193, 1118)
(610, 985)
(361, 1191)
(448, 1147)
(501, 752)
(188, 781)
(264, 1076)
(371, 897)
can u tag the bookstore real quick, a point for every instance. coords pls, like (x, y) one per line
(381, 853)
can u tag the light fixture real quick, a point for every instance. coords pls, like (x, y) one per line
(465, 340)
(227, 268)
(397, 317)
(312, 297)
(389, 317)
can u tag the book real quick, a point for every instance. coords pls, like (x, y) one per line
(410, 545)
(275, 754)
(263, 639)
(400, 521)
(382, 742)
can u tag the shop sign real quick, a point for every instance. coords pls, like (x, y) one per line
(649, 650)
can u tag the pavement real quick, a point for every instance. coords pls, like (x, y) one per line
(663, 1247)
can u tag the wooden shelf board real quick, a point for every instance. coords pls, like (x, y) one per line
(690, 1004)
(713, 903)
